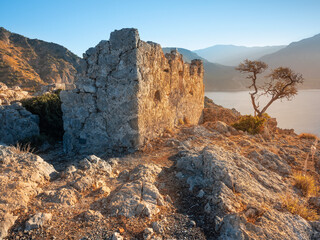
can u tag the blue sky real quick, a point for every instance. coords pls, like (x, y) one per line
(80, 24)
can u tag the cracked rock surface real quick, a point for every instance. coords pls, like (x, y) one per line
(130, 93)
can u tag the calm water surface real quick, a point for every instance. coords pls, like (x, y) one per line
(302, 113)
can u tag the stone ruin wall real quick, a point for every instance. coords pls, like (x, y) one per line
(130, 93)
(171, 90)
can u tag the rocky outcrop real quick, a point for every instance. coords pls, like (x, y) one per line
(16, 123)
(55, 86)
(21, 176)
(241, 194)
(213, 112)
(139, 196)
(9, 95)
(31, 62)
(201, 182)
(130, 93)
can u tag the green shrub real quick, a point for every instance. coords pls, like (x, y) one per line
(251, 124)
(48, 108)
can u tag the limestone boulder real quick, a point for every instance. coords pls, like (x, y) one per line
(11, 95)
(139, 196)
(91, 215)
(7, 220)
(22, 176)
(16, 124)
(239, 189)
(63, 196)
(38, 220)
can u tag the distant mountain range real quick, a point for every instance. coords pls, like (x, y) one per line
(231, 55)
(30, 63)
(303, 57)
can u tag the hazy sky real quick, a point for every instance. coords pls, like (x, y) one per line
(80, 24)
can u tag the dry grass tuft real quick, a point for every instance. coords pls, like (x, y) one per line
(298, 207)
(308, 136)
(305, 183)
(180, 121)
(22, 148)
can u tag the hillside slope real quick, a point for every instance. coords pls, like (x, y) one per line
(231, 55)
(32, 62)
(302, 56)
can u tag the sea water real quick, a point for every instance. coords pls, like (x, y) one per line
(302, 113)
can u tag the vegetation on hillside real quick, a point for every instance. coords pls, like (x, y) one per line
(48, 108)
(251, 124)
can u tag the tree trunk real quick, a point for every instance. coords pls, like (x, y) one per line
(268, 105)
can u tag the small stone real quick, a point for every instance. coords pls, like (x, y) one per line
(157, 227)
(116, 236)
(83, 183)
(38, 220)
(91, 215)
(251, 212)
(168, 199)
(147, 233)
(180, 175)
(69, 171)
(124, 175)
(113, 161)
(104, 190)
(201, 194)
(207, 208)
(192, 223)
(85, 164)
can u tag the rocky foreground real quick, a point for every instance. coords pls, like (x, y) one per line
(195, 182)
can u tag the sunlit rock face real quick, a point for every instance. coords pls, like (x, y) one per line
(130, 93)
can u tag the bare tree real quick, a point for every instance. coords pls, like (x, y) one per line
(282, 83)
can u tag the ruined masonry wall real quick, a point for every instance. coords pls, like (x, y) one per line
(130, 92)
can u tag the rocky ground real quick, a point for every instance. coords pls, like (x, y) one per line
(9, 95)
(194, 182)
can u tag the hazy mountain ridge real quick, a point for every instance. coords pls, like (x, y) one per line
(232, 55)
(32, 62)
(302, 56)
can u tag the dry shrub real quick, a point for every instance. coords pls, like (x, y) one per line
(251, 124)
(305, 183)
(297, 206)
(308, 136)
(20, 148)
